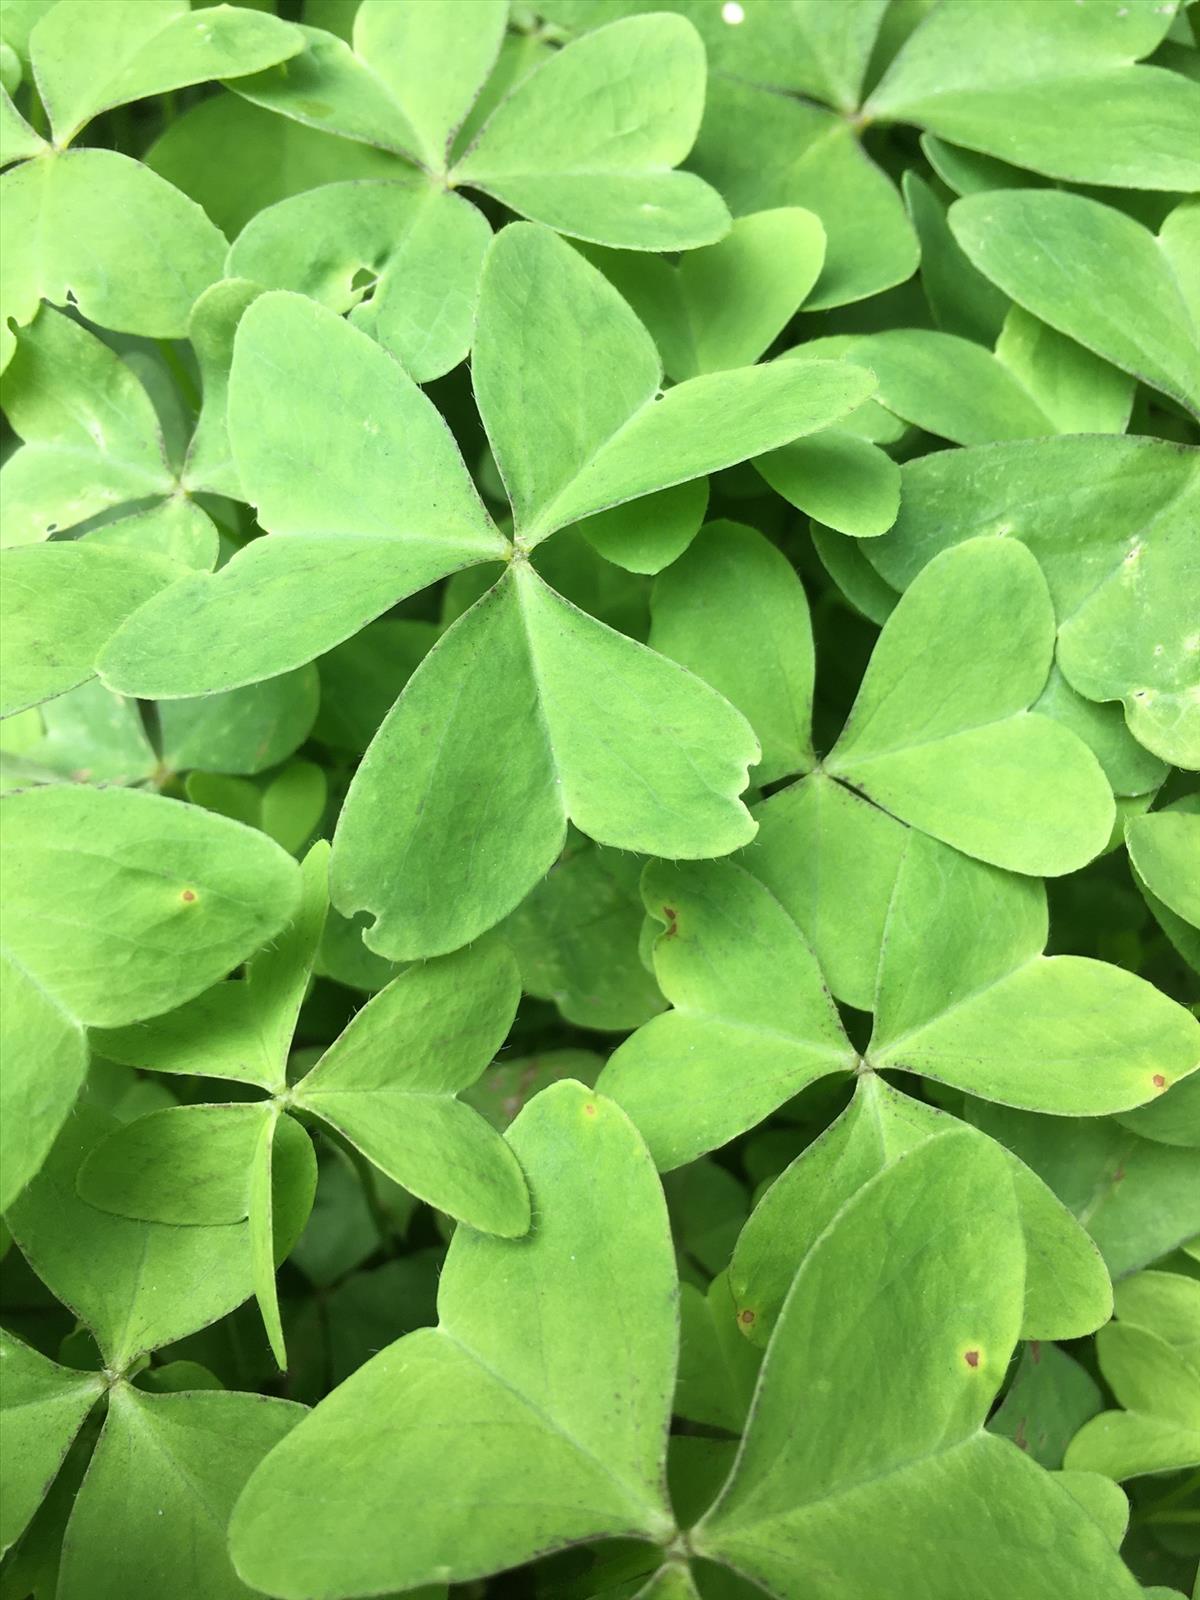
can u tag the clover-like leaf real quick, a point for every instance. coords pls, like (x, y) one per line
(92, 439)
(1164, 850)
(928, 1265)
(419, 249)
(564, 1461)
(820, 847)
(966, 997)
(1158, 1388)
(1096, 275)
(734, 570)
(43, 1407)
(526, 713)
(163, 1479)
(1049, 1399)
(44, 1051)
(972, 764)
(1067, 1289)
(1110, 522)
(588, 140)
(723, 305)
(762, 150)
(647, 534)
(136, 1285)
(837, 478)
(1030, 82)
(347, 540)
(571, 396)
(746, 989)
(120, 905)
(1137, 1197)
(103, 232)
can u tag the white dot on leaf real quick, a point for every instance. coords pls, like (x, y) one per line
(732, 13)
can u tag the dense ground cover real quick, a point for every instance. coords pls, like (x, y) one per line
(601, 690)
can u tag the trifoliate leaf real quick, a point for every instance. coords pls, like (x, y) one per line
(43, 1406)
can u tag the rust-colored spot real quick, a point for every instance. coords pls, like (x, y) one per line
(672, 925)
(1159, 1081)
(589, 1110)
(188, 896)
(971, 1357)
(1019, 1438)
(746, 1318)
(1035, 1351)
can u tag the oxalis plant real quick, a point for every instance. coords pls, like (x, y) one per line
(600, 676)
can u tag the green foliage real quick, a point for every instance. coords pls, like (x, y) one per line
(600, 693)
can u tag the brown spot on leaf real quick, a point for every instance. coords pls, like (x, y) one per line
(1159, 1081)
(589, 1110)
(1035, 1351)
(188, 896)
(971, 1357)
(746, 1318)
(672, 925)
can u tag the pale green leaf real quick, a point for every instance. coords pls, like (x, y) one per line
(102, 231)
(941, 734)
(390, 1083)
(242, 731)
(587, 141)
(526, 713)
(486, 1413)
(150, 1518)
(646, 535)
(911, 1303)
(1078, 391)
(44, 1052)
(241, 1029)
(731, 586)
(419, 249)
(1111, 523)
(1050, 85)
(120, 905)
(722, 306)
(1067, 1289)
(745, 988)
(820, 848)
(1049, 1399)
(142, 48)
(43, 1407)
(617, 436)
(762, 150)
(837, 478)
(1091, 272)
(1164, 850)
(966, 997)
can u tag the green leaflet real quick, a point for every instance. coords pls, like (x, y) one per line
(837, 478)
(647, 534)
(235, 159)
(1158, 1387)
(1096, 275)
(965, 996)
(551, 716)
(44, 1050)
(564, 1461)
(731, 584)
(161, 1483)
(1110, 522)
(277, 604)
(120, 905)
(420, 249)
(1164, 850)
(1034, 83)
(136, 1285)
(92, 440)
(819, 848)
(941, 734)
(762, 150)
(388, 1083)
(130, 251)
(723, 305)
(1136, 1197)
(619, 436)
(1067, 1290)
(553, 147)
(745, 988)
(926, 1333)
(1050, 1398)
(43, 1407)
